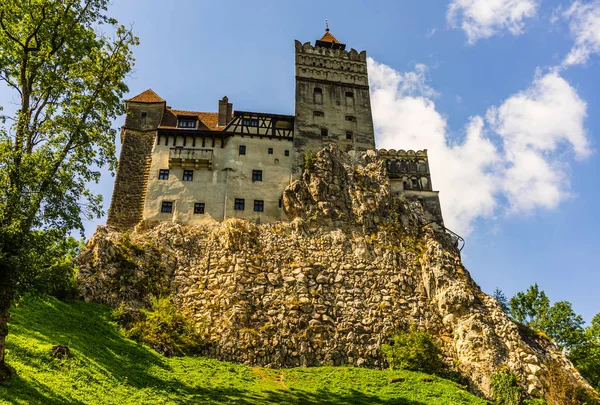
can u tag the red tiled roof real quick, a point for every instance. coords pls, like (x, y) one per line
(148, 96)
(208, 120)
(328, 37)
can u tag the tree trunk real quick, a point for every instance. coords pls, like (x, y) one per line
(6, 297)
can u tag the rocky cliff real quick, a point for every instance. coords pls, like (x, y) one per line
(352, 266)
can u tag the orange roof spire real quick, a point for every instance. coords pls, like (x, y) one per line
(328, 37)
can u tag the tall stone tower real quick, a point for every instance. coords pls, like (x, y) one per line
(333, 105)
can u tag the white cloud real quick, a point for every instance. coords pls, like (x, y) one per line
(536, 126)
(405, 117)
(536, 130)
(482, 19)
(585, 28)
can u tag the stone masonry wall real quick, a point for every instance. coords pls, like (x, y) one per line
(353, 266)
(127, 205)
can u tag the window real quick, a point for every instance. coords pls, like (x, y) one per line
(259, 205)
(287, 153)
(318, 114)
(188, 175)
(280, 203)
(198, 208)
(256, 175)
(186, 123)
(251, 122)
(349, 135)
(318, 95)
(324, 132)
(242, 149)
(144, 115)
(239, 204)
(350, 118)
(349, 94)
(163, 174)
(166, 207)
(414, 184)
(270, 151)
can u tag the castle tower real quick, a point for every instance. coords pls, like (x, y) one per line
(333, 105)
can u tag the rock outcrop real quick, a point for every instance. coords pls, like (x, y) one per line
(352, 266)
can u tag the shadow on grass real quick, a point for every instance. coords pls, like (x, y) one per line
(321, 397)
(93, 339)
(28, 392)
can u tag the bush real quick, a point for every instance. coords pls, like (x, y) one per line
(48, 266)
(535, 401)
(415, 351)
(505, 388)
(163, 328)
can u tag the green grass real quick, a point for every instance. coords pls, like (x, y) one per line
(107, 368)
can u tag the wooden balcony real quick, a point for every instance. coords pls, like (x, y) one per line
(191, 158)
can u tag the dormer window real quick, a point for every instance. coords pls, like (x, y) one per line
(186, 123)
(250, 122)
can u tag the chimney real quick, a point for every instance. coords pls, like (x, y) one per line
(225, 111)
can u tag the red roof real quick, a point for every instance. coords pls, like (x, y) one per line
(208, 120)
(148, 96)
(328, 37)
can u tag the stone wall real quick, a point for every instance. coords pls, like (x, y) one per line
(353, 266)
(127, 204)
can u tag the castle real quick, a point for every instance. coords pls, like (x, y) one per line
(195, 167)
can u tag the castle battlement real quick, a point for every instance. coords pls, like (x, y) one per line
(197, 167)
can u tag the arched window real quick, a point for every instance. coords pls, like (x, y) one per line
(318, 95)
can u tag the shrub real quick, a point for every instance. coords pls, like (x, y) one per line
(505, 388)
(164, 328)
(415, 351)
(535, 401)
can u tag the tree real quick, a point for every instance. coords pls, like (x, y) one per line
(499, 296)
(68, 77)
(563, 325)
(586, 356)
(530, 307)
(558, 321)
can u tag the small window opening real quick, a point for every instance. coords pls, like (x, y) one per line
(350, 118)
(270, 151)
(163, 174)
(287, 153)
(318, 114)
(186, 123)
(280, 203)
(251, 122)
(256, 175)
(239, 204)
(144, 115)
(242, 149)
(259, 205)
(188, 175)
(166, 207)
(318, 90)
(414, 184)
(349, 94)
(198, 208)
(324, 132)
(349, 135)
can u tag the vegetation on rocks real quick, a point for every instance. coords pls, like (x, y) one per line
(413, 350)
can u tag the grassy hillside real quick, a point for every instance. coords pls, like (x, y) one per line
(107, 368)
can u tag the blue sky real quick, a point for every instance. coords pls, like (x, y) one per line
(503, 93)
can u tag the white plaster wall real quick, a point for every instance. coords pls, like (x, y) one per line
(230, 178)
